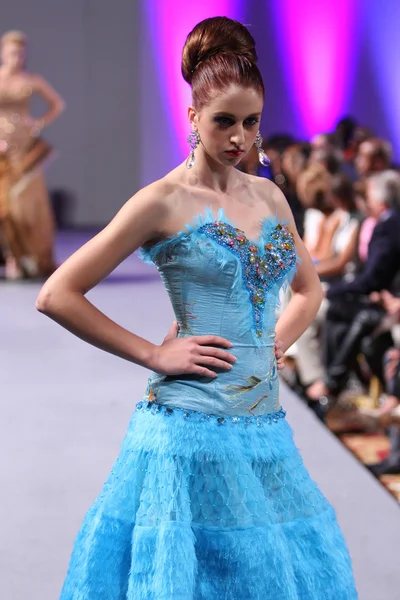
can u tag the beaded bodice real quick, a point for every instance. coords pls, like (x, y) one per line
(262, 267)
(220, 282)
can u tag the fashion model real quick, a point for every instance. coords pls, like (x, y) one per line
(209, 498)
(26, 218)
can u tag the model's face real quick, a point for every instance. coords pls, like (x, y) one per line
(228, 125)
(13, 55)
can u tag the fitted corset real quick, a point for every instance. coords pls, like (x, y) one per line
(221, 283)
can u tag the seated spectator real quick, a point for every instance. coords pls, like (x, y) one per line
(313, 189)
(342, 227)
(344, 223)
(346, 136)
(329, 159)
(374, 156)
(323, 141)
(384, 337)
(388, 415)
(367, 227)
(351, 315)
(274, 148)
(294, 163)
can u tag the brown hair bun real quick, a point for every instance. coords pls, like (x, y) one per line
(219, 51)
(218, 35)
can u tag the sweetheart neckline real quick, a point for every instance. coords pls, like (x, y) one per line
(267, 224)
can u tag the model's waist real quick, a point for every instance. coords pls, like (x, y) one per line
(264, 343)
(250, 387)
(217, 418)
(241, 334)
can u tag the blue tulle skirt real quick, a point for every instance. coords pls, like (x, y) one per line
(199, 507)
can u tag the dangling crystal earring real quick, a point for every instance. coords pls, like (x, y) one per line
(193, 141)
(262, 157)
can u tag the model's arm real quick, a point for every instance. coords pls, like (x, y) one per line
(62, 297)
(306, 287)
(56, 104)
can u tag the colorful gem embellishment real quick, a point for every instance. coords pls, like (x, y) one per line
(261, 267)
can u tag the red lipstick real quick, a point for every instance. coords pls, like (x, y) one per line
(234, 153)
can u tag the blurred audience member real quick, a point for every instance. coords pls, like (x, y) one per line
(294, 162)
(388, 414)
(323, 141)
(345, 135)
(343, 226)
(342, 230)
(374, 156)
(313, 189)
(274, 147)
(351, 315)
(331, 160)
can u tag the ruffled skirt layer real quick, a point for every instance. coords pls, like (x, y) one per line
(202, 508)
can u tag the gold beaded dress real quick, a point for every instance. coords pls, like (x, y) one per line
(26, 218)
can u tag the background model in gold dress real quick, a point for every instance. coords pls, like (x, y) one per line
(26, 219)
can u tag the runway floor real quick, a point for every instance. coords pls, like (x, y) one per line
(64, 410)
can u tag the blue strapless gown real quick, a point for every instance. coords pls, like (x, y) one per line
(209, 498)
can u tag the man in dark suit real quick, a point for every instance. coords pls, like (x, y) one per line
(351, 314)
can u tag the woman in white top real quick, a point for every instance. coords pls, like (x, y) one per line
(341, 228)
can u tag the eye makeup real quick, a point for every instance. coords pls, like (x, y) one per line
(225, 120)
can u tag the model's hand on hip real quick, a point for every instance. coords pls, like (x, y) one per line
(191, 355)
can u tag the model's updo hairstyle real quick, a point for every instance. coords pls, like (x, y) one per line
(219, 52)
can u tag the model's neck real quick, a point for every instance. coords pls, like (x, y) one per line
(209, 174)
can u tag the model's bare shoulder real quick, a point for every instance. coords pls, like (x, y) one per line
(152, 206)
(153, 196)
(270, 195)
(170, 198)
(138, 221)
(263, 185)
(275, 199)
